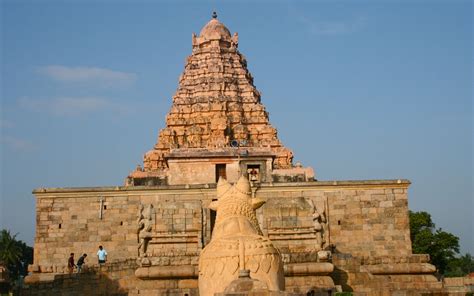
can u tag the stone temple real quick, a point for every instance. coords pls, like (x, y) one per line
(319, 236)
(217, 125)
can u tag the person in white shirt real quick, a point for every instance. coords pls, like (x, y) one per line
(102, 255)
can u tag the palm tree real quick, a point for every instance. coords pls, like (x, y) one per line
(9, 250)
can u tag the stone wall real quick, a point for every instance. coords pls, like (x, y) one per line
(459, 285)
(363, 218)
(388, 274)
(111, 279)
(76, 220)
(202, 171)
(370, 221)
(367, 219)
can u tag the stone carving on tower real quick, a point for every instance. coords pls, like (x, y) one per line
(216, 104)
(319, 224)
(237, 243)
(144, 227)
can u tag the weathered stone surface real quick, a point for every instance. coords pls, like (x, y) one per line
(401, 268)
(309, 269)
(237, 244)
(167, 272)
(216, 108)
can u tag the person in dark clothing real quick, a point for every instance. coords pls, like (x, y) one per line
(70, 263)
(80, 262)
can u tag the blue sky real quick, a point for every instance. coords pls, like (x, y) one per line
(359, 90)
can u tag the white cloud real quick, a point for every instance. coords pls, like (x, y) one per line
(333, 27)
(17, 144)
(99, 76)
(64, 106)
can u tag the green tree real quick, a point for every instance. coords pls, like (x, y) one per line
(9, 250)
(460, 266)
(426, 239)
(15, 255)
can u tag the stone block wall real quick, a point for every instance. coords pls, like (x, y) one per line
(367, 219)
(363, 219)
(191, 172)
(111, 279)
(370, 222)
(459, 285)
(77, 221)
(185, 170)
(393, 275)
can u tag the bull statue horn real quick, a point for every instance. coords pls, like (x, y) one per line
(243, 185)
(222, 187)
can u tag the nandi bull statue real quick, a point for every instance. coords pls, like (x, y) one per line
(237, 243)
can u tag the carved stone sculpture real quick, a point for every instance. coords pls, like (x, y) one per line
(235, 40)
(320, 224)
(237, 243)
(144, 222)
(194, 137)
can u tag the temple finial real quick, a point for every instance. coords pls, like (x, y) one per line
(214, 14)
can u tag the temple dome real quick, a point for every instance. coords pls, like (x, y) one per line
(214, 29)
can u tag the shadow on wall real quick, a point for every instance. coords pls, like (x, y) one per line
(341, 278)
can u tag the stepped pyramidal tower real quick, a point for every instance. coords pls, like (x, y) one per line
(217, 125)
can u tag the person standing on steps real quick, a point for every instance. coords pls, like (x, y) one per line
(80, 262)
(102, 255)
(70, 263)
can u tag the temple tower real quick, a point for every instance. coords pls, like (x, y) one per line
(217, 125)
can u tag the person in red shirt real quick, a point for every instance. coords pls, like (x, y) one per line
(70, 263)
